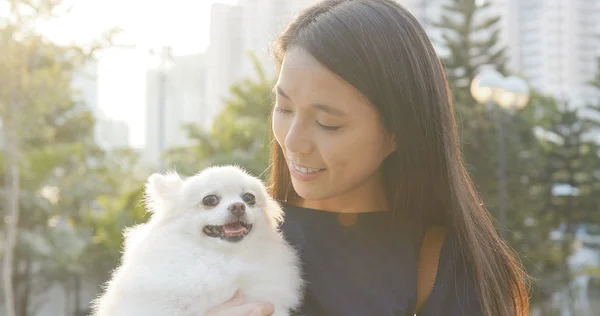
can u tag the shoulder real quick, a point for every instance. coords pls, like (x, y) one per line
(455, 291)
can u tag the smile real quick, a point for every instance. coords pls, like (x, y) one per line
(305, 170)
(232, 232)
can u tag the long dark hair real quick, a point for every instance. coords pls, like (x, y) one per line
(381, 49)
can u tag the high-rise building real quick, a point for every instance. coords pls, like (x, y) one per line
(250, 26)
(554, 44)
(108, 133)
(224, 55)
(558, 44)
(111, 134)
(262, 21)
(181, 101)
(85, 86)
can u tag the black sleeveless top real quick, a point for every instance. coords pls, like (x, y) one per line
(365, 264)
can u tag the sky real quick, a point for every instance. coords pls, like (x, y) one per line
(146, 25)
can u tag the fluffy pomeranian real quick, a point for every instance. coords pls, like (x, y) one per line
(209, 235)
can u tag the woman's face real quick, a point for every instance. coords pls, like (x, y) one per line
(332, 138)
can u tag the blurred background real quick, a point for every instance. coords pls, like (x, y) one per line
(97, 94)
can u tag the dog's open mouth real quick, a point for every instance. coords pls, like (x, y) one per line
(234, 231)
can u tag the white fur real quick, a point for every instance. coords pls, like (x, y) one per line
(170, 267)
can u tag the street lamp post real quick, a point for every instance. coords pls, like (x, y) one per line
(510, 93)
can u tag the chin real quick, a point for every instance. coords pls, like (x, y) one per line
(310, 192)
(209, 236)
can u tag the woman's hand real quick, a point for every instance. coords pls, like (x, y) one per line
(236, 307)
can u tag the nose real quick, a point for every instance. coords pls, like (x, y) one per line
(297, 140)
(237, 209)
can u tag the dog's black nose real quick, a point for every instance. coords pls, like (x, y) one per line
(237, 209)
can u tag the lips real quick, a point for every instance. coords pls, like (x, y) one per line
(305, 170)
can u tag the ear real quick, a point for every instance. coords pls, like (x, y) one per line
(390, 144)
(161, 189)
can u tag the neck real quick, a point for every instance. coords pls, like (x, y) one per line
(369, 196)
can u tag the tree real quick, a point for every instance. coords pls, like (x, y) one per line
(569, 159)
(30, 75)
(472, 40)
(470, 33)
(111, 216)
(117, 204)
(38, 109)
(240, 134)
(68, 190)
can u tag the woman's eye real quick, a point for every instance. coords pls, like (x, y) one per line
(328, 127)
(281, 110)
(210, 200)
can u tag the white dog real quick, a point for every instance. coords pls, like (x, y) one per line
(209, 235)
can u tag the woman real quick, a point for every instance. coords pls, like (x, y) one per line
(366, 157)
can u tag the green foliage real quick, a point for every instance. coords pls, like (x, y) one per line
(462, 24)
(567, 156)
(62, 170)
(107, 221)
(76, 198)
(472, 41)
(534, 165)
(35, 79)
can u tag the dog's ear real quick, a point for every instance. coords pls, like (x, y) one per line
(162, 188)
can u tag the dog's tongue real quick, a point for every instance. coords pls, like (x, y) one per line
(234, 228)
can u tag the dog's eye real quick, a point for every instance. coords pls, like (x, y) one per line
(210, 200)
(249, 198)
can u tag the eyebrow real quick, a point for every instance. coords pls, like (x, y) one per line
(322, 107)
(281, 93)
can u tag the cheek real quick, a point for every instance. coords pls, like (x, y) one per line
(335, 152)
(354, 153)
(205, 216)
(257, 215)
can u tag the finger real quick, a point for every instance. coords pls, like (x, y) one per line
(263, 309)
(236, 300)
(251, 309)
